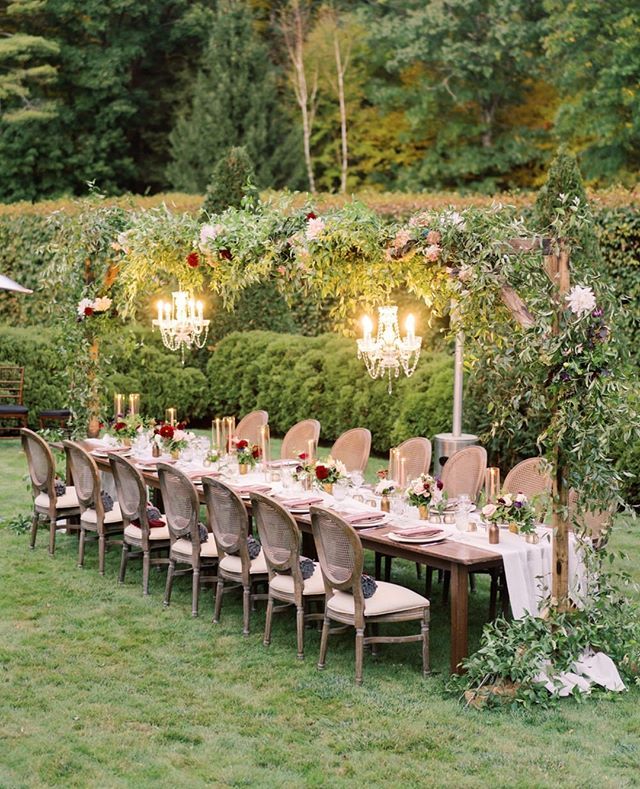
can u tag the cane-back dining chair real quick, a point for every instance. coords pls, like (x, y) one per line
(464, 472)
(229, 522)
(182, 510)
(417, 454)
(249, 426)
(280, 538)
(342, 560)
(297, 438)
(105, 527)
(11, 396)
(46, 504)
(352, 448)
(596, 523)
(139, 539)
(531, 478)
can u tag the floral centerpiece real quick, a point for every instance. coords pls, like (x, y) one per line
(329, 471)
(425, 492)
(125, 429)
(246, 453)
(516, 511)
(174, 438)
(385, 488)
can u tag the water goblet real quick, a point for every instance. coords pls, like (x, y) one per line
(340, 489)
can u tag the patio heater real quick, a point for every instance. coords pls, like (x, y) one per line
(445, 444)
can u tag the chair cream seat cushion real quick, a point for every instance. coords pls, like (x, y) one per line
(184, 546)
(387, 599)
(314, 585)
(67, 501)
(233, 564)
(90, 516)
(159, 533)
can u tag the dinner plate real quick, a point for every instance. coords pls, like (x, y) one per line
(97, 453)
(418, 540)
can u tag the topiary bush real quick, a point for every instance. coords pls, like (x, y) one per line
(231, 181)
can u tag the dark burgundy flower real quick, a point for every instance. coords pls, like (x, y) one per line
(311, 215)
(119, 426)
(167, 431)
(193, 259)
(564, 376)
(255, 451)
(88, 310)
(322, 472)
(225, 254)
(181, 425)
(439, 484)
(241, 443)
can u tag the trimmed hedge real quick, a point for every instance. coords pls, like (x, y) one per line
(294, 378)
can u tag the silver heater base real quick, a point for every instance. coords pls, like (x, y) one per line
(445, 444)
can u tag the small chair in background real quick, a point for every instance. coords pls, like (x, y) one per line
(59, 417)
(281, 538)
(93, 518)
(182, 510)
(139, 541)
(530, 478)
(249, 426)
(229, 522)
(342, 560)
(297, 438)
(417, 454)
(597, 523)
(11, 397)
(46, 504)
(352, 448)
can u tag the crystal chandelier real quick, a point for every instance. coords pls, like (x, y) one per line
(181, 323)
(389, 352)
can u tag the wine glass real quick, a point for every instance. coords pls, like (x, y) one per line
(340, 489)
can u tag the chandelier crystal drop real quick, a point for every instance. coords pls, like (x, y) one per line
(389, 353)
(181, 322)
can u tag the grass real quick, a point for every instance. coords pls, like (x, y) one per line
(100, 687)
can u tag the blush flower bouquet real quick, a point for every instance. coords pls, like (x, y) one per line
(513, 510)
(426, 491)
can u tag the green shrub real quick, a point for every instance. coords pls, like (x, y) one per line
(231, 181)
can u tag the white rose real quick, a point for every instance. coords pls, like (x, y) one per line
(488, 510)
(581, 300)
(521, 498)
(314, 228)
(179, 435)
(508, 501)
(82, 305)
(418, 488)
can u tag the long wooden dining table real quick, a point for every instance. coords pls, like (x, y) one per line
(455, 557)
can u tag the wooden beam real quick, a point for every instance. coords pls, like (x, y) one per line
(516, 306)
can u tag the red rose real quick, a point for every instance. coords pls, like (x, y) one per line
(167, 431)
(225, 254)
(193, 259)
(88, 310)
(241, 443)
(181, 425)
(311, 215)
(119, 426)
(322, 472)
(255, 451)
(302, 455)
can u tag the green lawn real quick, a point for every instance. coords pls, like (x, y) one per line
(100, 687)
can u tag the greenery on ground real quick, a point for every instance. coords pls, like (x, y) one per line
(101, 686)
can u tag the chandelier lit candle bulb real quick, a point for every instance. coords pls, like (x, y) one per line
(389, 353)
(181, 322)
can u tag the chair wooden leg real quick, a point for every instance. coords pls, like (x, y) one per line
(218, 605)
(267, 622)
(418, 570)
(493, 595)
(387, 568)
(374, 632)
(34, 530)
(146, 566)
(246, 609)
(83, 536)
(167, 590)
(102, 547)
(424, 629)
(359, 654)
(52, 536)
(123, 562)
(446, 583)
(472, 582)
(378, 565)
(428, 582)
(300, 631)
(324, 642)
(195, 591)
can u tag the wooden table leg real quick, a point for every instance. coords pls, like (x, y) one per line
(459, 615)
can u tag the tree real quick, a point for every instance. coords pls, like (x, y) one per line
(22, 73)
(594, 50)
(231, 182)
(472, 62)
(234, 103)
(294, 22)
